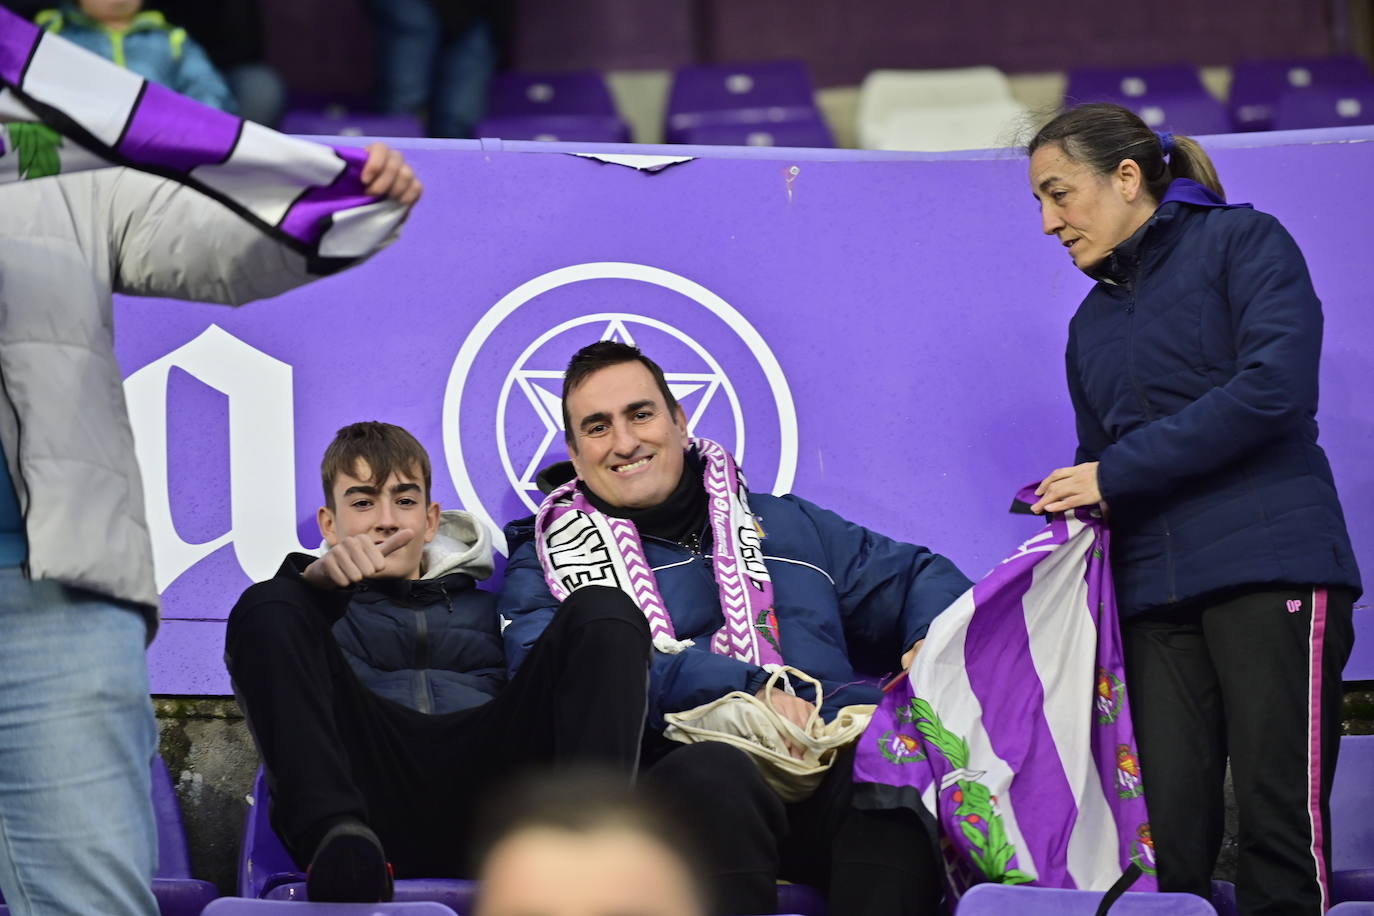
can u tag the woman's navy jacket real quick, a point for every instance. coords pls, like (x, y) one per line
(1192, 367)
(846, 598)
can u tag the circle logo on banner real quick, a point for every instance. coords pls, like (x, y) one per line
(503, 419)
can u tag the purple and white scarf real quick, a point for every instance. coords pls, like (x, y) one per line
(579, 545)
(64, 109)
(1013, 732)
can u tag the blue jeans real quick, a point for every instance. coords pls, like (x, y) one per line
(419, 69)
(77, 736)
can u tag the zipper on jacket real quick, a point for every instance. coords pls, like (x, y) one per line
(422, 699)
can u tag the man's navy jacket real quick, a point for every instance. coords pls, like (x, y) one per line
(845, 597)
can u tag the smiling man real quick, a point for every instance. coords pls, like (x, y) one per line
(373, 679)
(820, 594)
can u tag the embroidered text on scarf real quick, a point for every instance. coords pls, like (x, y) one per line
(65, 109)
(579, 545)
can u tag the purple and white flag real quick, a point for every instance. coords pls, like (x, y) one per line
(1012, 733)
(64, 109)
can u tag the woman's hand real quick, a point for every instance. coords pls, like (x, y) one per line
(1069, 488)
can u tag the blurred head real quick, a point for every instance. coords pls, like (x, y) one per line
(626, 433)
(581, 843)
(111, 12)
(1099, 172)
(376, 480)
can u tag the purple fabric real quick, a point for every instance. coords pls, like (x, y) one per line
(308, 216)
(157, 134)
(908, 749)
(17, 38)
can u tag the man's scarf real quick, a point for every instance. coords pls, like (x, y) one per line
(64, 109)
(1013, 733)
(580, 545)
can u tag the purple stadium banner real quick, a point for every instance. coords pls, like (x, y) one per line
(858, 328)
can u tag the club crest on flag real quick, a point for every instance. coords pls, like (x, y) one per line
(1143, 851)
(1110, 690)
(1128, 773)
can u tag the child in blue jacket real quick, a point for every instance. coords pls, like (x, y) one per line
(142, 41)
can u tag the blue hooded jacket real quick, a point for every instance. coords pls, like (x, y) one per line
(845, 597)
(1192, 366)
(150, 47)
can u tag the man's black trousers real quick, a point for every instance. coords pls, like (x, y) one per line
(868, 863)
(332, 748)
(1255, 677)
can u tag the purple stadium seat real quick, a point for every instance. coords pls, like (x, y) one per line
(1224, 898)
(1166, 98)
(555, 127)
(338, 121)
(1353, 908)
(1114, 84)
(811, 132)
(238, 906)
(1352, 821)
(1256, 85)
(267, 871)
(177, 893)
(1000, 899)
(1328, 107)
(523, 94)
(749, 94)
(801, 900)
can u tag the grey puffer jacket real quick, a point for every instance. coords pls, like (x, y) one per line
(66, 243)
(432, 643)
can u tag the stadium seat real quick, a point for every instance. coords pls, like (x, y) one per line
(812, 133)
(555, 127)
(966, 108)
(1257, 85)
(552, 106)
(337, 121)
(177, 893)
(266, 870)
(1353, 908)
(1352, 821)
(1328, 107)
(238, 906)
(1166, 98)
(739, 94)
(1000, 899)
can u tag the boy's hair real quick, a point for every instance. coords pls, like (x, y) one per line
(387, 449)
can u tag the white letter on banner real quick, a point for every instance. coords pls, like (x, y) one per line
(262, 462)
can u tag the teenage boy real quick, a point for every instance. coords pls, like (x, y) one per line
(373, 679)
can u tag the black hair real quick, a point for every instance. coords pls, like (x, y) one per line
(1101, 135)
(601, 355)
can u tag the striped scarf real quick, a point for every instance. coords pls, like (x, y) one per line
(64, 109)
(580, 545)
(1013, 731)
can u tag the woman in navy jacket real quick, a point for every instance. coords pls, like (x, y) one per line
(1192, 367)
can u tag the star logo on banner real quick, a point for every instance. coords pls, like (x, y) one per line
(542, 388)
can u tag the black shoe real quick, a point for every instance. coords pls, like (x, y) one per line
(349, 866)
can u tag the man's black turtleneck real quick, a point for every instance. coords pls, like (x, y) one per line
(678, 518)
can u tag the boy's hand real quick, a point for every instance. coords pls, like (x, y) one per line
(386, 174)
(354, 559)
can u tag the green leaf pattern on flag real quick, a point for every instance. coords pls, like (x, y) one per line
(980, 823)
(37, 145)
